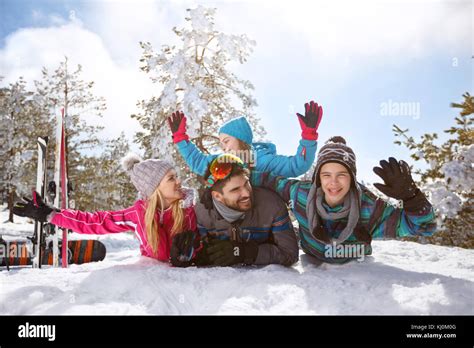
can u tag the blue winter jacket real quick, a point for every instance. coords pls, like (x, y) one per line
(266, 158)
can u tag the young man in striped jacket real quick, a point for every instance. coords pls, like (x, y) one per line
(338, 217)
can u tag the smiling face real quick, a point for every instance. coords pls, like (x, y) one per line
(229, 143)
(335, 182)
(236, 193)
(170, 187)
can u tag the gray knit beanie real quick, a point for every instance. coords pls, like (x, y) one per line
(146, 175)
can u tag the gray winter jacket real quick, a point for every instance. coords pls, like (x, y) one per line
(267, 223)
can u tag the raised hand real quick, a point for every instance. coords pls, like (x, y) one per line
(310, 121)
(177, 124)
(399, 183)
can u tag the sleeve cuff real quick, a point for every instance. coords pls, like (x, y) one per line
(308, 142)
(177, 138)
(50, 216)
(419, 204)
(309, 134)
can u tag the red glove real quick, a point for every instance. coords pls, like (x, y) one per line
(310, 122)
(177, 123)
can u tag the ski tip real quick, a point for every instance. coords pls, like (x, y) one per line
(35, 201)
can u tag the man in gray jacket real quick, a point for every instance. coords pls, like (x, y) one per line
(240, 224)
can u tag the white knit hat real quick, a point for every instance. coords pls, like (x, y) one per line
(146, 175)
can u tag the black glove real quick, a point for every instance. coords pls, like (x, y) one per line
(227, 253)
(34, 208)
(202, 256)
(400, 185)
(398, 181)
(183, 248)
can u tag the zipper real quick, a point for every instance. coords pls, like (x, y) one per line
(235, 232)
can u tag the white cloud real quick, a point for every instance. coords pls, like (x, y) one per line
(335, 39)
(104, 38)
(342, 36)
(123, 24)
(27, 50)
(379, 28)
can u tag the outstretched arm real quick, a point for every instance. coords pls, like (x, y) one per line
(300, 163)
(100, 222)
(197, 161)
(291, 166)
(417, 215)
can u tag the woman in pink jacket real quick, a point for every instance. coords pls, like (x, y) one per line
(164, 211)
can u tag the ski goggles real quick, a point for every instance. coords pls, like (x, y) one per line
(221, 167)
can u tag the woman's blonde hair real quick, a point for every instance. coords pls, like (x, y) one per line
(152, 224)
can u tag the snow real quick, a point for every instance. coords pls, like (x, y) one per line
(400, 278)
(447, 195)
(459, 172)
(445, 201)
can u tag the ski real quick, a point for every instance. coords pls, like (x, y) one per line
(64, 187)
(18, 252)
(60, 198)
(41, 189)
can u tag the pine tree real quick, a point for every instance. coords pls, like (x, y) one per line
(107, 186)
(449, 180)
(195, 78)
(94, 164)
(65, 88)
(21, 122)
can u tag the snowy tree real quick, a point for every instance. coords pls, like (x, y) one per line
(196, 79)
(449, 180)
(89, 157)
(21, 122)
(116, 190)
(63, 88)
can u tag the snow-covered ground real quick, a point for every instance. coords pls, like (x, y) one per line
(400, 278)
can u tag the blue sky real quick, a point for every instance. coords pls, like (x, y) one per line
(351, 57)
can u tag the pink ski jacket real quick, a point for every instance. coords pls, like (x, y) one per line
(130, 219)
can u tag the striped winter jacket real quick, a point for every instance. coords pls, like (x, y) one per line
(267, 223)
(378, 219)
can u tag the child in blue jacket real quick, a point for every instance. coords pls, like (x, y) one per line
(236, 137)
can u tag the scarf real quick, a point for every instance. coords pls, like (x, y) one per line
(350, 209)
(230, 215)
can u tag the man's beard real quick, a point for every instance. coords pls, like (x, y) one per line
(236, 206)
